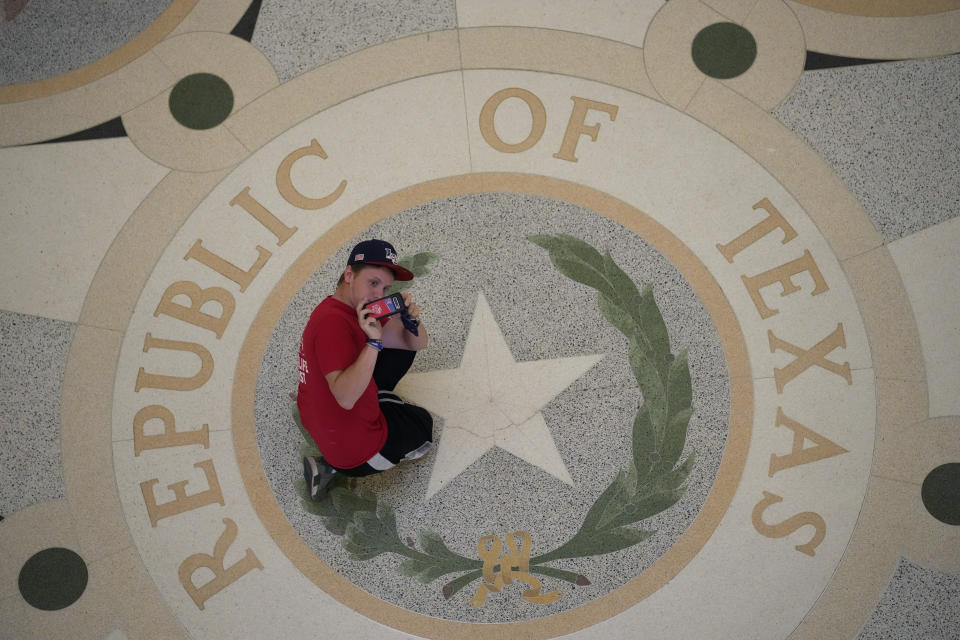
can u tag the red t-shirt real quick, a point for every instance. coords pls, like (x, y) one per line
(332, 341)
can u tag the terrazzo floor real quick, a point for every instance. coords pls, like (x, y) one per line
(765, 443)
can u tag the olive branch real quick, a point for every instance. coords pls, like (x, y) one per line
(651, 483)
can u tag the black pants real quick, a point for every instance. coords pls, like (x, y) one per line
(409, 427)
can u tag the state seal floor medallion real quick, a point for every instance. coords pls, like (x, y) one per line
(684, 383)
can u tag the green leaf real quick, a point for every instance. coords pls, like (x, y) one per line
(675, 437)
(424, 570)
(611, 540)
(368, 524)
(679, 391)
(581, 272)
(577, 260)
(433, 544)
(456, 585)
(387, 520)
(572, 246)
(653, 326)
(619, 317)
(359, 544)
(656, 502)
(336, 526)
(592, 519)
(626, 290)
(645, 448)
(412, 567)
(651, 385)
(560, 574)
(625, 488)
(417, 264)
(346, 502)
(420, 261)
(675, 477)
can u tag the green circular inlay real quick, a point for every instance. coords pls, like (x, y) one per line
(201, 101)
(724, 50)
(941, 493)
(53, 579)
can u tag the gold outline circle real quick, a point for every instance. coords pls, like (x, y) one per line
(663, 570)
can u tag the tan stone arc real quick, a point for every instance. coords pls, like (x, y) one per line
(781, 55)
(879, 38)
(132, 49)
(884, 8)
(877, 541)
(128, 263)
(102, 90)
(867, 564)
(661, 572)
(888, 316)
(119, 591)
(342, 79)
(572, 54)
(929, 542)
(781, 51)
(29, 530)
(836, 212)
(152, 127)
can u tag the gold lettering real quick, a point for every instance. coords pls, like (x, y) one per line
(824, 447)
(577, 125)
(182, 502)
(228, 270)
(773, 221)
(789, 525)
(175, 383)
(222, 577)
(290, 192)
(783, 275)
(537, 127)
(816, 355)
(170, 436)
(263, 215)
(198, 298)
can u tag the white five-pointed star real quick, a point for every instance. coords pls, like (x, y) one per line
(493, 401)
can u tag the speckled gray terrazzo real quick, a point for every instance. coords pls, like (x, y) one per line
(892, 132)
(480, 241)
(51, 37)
(300, 35)
(919, 604)
(33, 355)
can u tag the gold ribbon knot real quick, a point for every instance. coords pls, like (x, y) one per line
(514, 565)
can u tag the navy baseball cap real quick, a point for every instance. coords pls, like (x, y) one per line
(379, 253)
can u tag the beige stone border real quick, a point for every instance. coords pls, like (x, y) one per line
(518, 48)
(884, 8)
(781, 51)
(662, 571)
(99, 611)
(102, 90)
(132, 49)
(878, 540)
(571, 54)
(879, 38)
(872, 551)
(152, 127)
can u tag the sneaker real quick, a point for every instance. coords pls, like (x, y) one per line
(318, 474)
(420, 451)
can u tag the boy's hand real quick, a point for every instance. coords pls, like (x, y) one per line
(369, 323)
